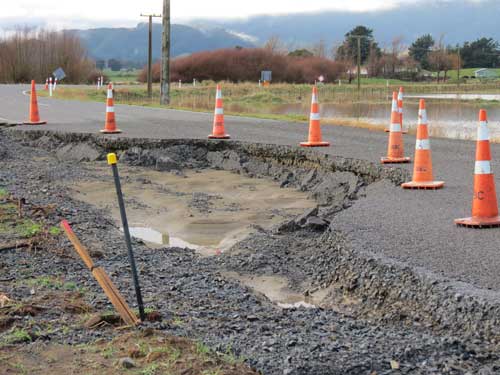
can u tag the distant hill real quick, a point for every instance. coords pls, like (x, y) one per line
(458, 20)
(131, 44)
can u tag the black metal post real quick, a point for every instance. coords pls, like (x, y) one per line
(112, 161)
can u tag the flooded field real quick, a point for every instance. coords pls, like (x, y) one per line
(207, 210)
(447, 119)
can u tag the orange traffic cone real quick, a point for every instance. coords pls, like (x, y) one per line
(400, 110)
(484, 202)
(110, 125)
(34, 115)
(314, 124)
(218, 131)
(395, 149)
(422, 173)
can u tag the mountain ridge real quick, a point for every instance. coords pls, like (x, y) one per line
(302, 30)
(131, 44)
(410, 21)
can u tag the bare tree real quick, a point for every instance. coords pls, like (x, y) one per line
(30, 54)
(440, 59)
(374, 63)
(319, 49)
(275, 45)
(396, 48)
(334, 50)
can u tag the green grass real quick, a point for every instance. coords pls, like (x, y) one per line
(230, 358)
(108, 352)
(469, 72)
(211, 372)
(202, 349)
(55, 231)
(24, 228)
(125, 76)
(17, 335)
(54, 283)
(151, 369)
(13, 226)
(380, 81)
(28, 228)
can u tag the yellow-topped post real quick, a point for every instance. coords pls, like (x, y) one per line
(112, 158)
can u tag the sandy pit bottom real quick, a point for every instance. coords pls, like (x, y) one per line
(207, 210)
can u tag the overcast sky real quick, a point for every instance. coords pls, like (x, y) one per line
(91, 13)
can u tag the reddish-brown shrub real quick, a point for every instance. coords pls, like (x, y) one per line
(94, 75)
(238, 65)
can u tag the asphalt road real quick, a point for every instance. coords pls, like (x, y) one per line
(415, 227)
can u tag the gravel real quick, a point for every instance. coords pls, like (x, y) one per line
(405, 316)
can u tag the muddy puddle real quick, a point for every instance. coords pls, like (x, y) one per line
(208, 210)
(277, 290)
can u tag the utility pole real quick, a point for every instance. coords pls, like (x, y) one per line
(359, 64)
(165, 55)
(359, 37)
(150, 53)
(459, 64)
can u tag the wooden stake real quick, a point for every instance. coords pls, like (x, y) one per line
(102, 278)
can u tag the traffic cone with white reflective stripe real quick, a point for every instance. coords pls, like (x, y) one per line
(110, 125)
(484, 202)
(315, 139)
(34, 114)
(218, 131)
(422, 172)
(395, 149)
(400, 109)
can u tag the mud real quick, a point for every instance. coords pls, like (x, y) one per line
(429, 323)
(206, 210)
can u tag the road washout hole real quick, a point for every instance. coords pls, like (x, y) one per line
(309, 250)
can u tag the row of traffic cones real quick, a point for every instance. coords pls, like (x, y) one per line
(109, 126)
(484, 206)
(315, 138)
(484, 202)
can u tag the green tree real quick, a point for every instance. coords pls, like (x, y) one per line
(301, 53)
(349, 48)
(420, 49)
(481, 53)
(115, 65)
